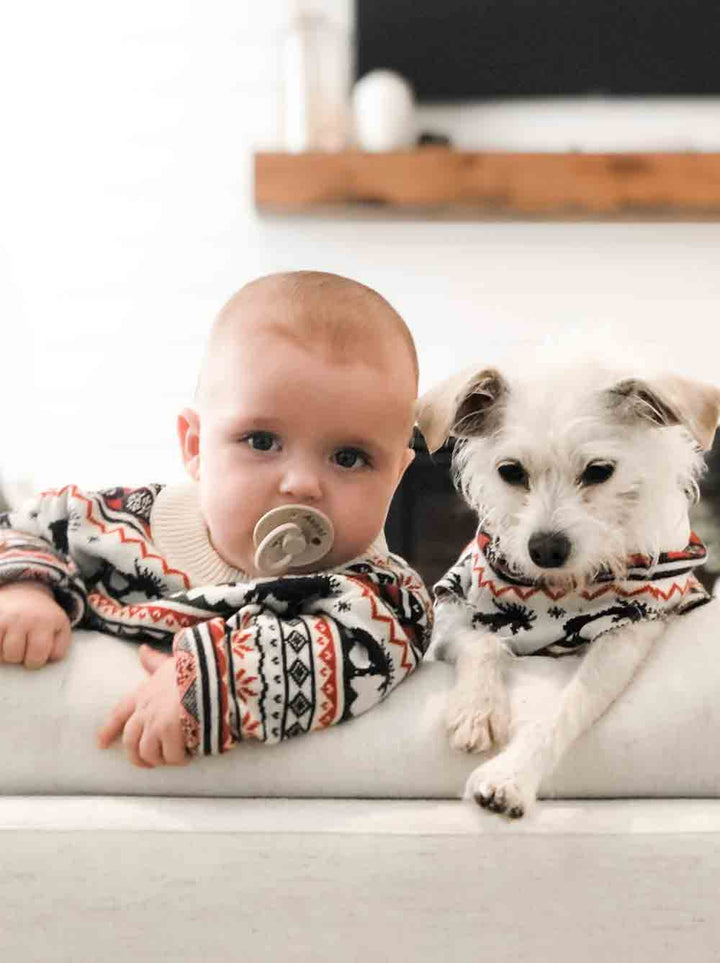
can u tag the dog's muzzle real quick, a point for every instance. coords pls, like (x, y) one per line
(549, 549)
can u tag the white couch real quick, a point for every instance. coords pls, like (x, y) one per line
(354, 841)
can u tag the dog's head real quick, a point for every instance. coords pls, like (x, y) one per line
(573, 469)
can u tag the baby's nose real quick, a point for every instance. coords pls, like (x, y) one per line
(302, 482)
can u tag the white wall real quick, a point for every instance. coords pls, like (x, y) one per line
(127, 220)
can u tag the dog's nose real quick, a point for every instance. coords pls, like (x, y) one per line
(549, 549)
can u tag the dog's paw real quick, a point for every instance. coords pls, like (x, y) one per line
(478, 724)
(499, 792)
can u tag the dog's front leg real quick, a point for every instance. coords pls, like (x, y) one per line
(509, 783)
(478, 714)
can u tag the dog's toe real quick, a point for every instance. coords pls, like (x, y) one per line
(503, 796)
(484, 797)
(496, 802)
(499, 800)
(469, 732)
(477, 728)
(493, 798)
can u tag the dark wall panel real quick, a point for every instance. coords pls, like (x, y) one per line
(463, 49)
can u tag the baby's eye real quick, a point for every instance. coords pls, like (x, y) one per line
(513, 473)
(597, 472)
(261, 441)
(350, 458)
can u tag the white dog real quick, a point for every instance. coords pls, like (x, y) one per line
(581, 480)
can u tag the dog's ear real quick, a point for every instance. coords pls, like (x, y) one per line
(671, 400)
(461, 406)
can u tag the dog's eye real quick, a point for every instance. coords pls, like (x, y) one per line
(513, 473)
(597, 472)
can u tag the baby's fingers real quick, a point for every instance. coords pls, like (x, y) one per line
(40, 643)
(173, 747)
(14, 643)
(151, 660)
(113, 727)
(61, 643)
(149, 748)
(138, 748)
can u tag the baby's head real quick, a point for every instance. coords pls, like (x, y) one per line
(306, 395)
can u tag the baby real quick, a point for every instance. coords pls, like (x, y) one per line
(268, 573)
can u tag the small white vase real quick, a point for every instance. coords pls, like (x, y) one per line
(384, 112)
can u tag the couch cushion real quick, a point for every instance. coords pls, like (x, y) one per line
(658, 739)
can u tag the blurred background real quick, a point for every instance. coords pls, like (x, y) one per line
(127, 217)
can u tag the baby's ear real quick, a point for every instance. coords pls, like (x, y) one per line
(671, 400)
(462, 406)
(188, 429)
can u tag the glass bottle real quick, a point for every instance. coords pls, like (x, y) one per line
(316, 76)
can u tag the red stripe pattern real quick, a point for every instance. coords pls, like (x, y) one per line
(537, 618)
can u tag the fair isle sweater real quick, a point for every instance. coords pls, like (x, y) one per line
(264, 659)
(538, 619)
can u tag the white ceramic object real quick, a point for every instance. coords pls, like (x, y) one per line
(384, 112)
(291, 536)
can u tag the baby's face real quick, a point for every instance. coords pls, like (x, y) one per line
(282, 425)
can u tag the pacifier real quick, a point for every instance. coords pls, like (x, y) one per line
(291, 536)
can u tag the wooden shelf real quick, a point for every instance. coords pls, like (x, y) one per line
(436, 182)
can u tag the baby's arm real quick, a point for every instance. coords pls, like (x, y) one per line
(41, 595)
(271, 671)
(274, 670)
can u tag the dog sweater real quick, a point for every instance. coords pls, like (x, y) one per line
(537, 619)
(263, 659)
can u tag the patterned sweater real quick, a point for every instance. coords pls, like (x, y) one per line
(538, 619)
(262, 659)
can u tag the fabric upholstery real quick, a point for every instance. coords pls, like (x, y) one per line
(659, 739)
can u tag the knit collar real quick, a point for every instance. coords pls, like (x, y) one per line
(179, 531)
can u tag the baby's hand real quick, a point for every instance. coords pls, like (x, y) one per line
(34, 629)
(149, 718)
